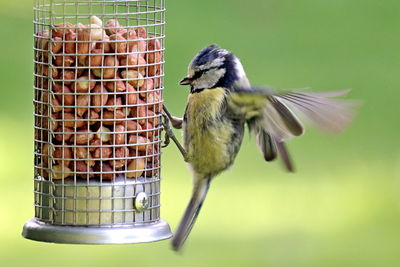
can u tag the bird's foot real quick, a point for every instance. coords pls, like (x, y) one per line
(169, 135)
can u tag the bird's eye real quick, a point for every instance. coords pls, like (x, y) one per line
(197, 75)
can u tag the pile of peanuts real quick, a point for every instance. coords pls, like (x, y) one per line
(98, 101)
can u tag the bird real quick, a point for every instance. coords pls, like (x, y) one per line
(222, 102)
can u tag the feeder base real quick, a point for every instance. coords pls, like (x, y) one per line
(141, 233)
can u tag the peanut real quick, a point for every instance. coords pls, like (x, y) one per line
(116, 86)
(96, 33)
(91, 162)
(63, 134)
(93, 117)
(114, 103)
(131, 97)
(113, 27)
(121, 153)
(70, 43)
(83, 137)
(99, 97)
(134, 78)
(67, 76)
(119, 136)
(96, 20)
(84, 44)
(63, 155)
(94, 144)
(133, 126)
(82, 152)
(148, 130)
(103, 134)
(56, 45)
(70, 120)
(64, 61)
(118, 43)
(64, 95)
(47, 151)
(44, 70)
(154, 101)
(109, 118)
(104, 45)
(102, 152)
(111, 64)
(61, 172)
(63, 29)
(154, 57)
(138, 142)
(83, 170)
(141, 32)
(131, 37)
(82, 104)
(148, 85)
(141, 45)
(139, 112)
(95, 59)
(85, 84)
(106, 172)
(136, 168)
(52, 119)
(133, 61)
(55, 105)
(153, 70)
(154, 45)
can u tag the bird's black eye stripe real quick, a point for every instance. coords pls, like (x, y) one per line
(198, 74)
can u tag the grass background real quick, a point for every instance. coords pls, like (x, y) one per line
(342, 206)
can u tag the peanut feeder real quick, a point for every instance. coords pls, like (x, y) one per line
(99, 77)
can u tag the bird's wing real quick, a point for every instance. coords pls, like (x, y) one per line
(276, 110)
(271, 118)
(321, 109)
(270, 113)
(265, 142)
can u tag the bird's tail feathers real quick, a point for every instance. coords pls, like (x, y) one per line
(192, 211)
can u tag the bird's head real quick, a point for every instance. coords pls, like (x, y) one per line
(214, 67)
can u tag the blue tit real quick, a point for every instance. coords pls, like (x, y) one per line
(221, 102)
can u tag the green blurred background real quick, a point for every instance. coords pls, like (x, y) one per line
(341, 207)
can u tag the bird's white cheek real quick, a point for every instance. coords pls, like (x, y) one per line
(209, 79)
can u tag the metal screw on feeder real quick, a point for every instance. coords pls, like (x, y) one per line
(99, 75)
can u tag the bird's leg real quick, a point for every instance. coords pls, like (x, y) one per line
(169, 134)
(176, 122)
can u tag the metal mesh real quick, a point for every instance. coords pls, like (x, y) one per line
(99, 68)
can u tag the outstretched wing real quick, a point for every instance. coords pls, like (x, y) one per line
(271, 118)
(276, 110)
(269, 112)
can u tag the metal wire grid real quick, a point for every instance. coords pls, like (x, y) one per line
(97, 122)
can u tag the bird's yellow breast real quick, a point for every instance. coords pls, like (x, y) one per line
(207, 136)
(208, 102)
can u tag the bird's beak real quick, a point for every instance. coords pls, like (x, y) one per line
(185, 81)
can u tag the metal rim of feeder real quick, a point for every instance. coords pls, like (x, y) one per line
(85, 188)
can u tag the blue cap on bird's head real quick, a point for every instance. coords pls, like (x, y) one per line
(208, 54)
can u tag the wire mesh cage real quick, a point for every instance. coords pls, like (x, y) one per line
(99, 69)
